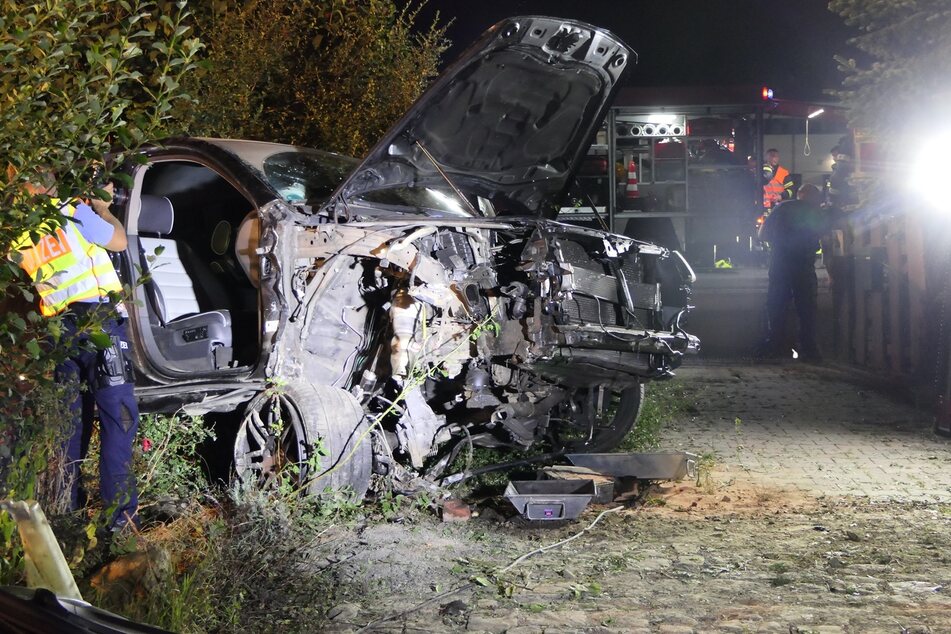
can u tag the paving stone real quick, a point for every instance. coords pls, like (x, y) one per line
(740, 627)
(343, 612)
(480, 623)
(843, 441)
(571, 619)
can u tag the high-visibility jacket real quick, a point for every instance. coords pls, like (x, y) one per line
(65, 267)
(776, 189)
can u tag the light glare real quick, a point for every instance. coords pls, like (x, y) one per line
(660, 119)
(451, 204)
(930, 167)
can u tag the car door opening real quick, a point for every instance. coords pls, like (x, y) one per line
(197, 291)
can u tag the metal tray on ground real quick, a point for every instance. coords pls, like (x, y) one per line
(669, 465)
(603, 484)
(549, 499)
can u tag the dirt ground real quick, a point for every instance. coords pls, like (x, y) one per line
(735, 552)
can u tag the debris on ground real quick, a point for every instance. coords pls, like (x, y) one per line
(454, 510)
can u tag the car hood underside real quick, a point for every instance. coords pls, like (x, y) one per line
(509, 122)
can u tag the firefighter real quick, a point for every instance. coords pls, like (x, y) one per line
(777, 184)
(793, 231)
(840, 194)
(840, 198)
(73, 276)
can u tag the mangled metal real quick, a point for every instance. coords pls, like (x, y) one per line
(452, 334)
(423, 301)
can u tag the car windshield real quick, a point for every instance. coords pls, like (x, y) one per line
(306, 176)
(429, 200)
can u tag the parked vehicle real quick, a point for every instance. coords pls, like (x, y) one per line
(381, 316)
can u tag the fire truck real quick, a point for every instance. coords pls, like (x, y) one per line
(682, 167)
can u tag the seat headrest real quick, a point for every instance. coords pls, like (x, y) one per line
(156, 215)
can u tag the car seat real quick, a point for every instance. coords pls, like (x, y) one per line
(186, 308)
(246, 245)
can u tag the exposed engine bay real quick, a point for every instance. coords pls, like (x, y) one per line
(480, 332)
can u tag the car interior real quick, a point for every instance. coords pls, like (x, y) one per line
(195, 237)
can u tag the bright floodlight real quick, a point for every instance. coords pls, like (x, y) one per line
(930, 166)
(816, 113)
(662, 118)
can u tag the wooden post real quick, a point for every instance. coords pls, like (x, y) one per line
(917, 287)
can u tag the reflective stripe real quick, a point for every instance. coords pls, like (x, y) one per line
(773, 190)
(65, 267)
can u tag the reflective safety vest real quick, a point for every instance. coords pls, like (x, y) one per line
(774, 190)
(65, 267)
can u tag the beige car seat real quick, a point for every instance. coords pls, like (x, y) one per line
(246, 245)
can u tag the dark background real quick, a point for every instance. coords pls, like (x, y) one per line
(785, 44)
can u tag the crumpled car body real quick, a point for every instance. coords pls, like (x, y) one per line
(382, 317)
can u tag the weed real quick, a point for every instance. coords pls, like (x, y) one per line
(399, 506)
(236, 560)
(617, 562)
(335, 505)
(168, 464)
(581, 590)
(780, 580)
(705, 465)
(390, 504)
(662, 401)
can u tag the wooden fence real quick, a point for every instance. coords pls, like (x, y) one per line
(891, 294)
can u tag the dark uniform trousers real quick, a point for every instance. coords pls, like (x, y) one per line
(792, 279)
(118, 422)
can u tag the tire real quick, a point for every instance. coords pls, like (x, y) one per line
(609, 431)
(313, 421)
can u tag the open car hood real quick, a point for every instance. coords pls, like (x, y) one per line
(507, 124)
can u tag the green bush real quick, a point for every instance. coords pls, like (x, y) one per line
(77, 79)
(333, 74)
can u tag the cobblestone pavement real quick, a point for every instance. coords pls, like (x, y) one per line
(826, 511)
(814, 429)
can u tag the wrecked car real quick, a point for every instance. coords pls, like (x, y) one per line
(380, 317)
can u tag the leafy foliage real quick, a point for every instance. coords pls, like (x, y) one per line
(333, 74)
(77, 78)
(169, 464)
(903, 82)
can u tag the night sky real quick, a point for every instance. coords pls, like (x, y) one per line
(787, 45)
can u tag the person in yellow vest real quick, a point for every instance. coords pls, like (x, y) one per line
(71, 271)
(777, 184)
